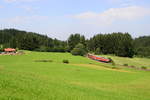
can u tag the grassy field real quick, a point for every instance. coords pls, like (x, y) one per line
(137, 62)
(23, 78)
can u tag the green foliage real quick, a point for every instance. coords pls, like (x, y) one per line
(120, 44)
(17, 49)
(42, 49)
(125, 64)
(30, 41)
(1, 48)
(81, 46)
(112, 61)
(65, 61)
(116, 43)
(143, 67)
(79, 50)
(142, 46)
(43, 60)
(98, 51)
(143, 51)
(75, 39)
(58, 49)
(114, 67)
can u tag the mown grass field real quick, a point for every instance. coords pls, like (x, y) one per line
(22, 78)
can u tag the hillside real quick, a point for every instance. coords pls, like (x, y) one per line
(24, 77)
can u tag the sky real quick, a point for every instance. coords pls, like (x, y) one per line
(60, 18)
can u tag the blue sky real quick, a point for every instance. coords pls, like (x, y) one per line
(60, 18)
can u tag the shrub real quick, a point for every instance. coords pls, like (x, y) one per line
(98, 51)
(66, 61)
(114, 67)
(125, 64)
(143, 67)
(1, 48)
(79, 50)
(112, 61)
(17, 49)
(43, 61)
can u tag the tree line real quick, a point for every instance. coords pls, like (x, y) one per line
(30, 41)
(120, 44)
(142, 46)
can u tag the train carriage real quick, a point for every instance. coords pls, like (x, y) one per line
(98, 58)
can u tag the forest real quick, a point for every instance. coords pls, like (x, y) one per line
(117, 43)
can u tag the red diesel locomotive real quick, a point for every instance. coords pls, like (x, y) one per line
(98, 58)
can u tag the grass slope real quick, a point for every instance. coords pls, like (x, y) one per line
(137, 62)
(21, 78)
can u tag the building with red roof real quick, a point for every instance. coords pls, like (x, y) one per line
(10, 50)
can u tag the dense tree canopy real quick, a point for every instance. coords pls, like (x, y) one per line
(29, 41)
(116, 43)
(142, 46)
(74, 39)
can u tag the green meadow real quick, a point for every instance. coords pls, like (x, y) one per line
(24, 77)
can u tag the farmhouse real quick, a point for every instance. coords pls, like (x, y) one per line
(10, 50)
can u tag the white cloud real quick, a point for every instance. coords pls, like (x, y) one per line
(113, 14)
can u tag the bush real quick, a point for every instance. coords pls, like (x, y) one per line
(66, 61)
(112, 61)
(1, 48)
(114, 67)
(143, 67)
(125, 64)
(79, 50)
(98, 51)
(43, 61)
